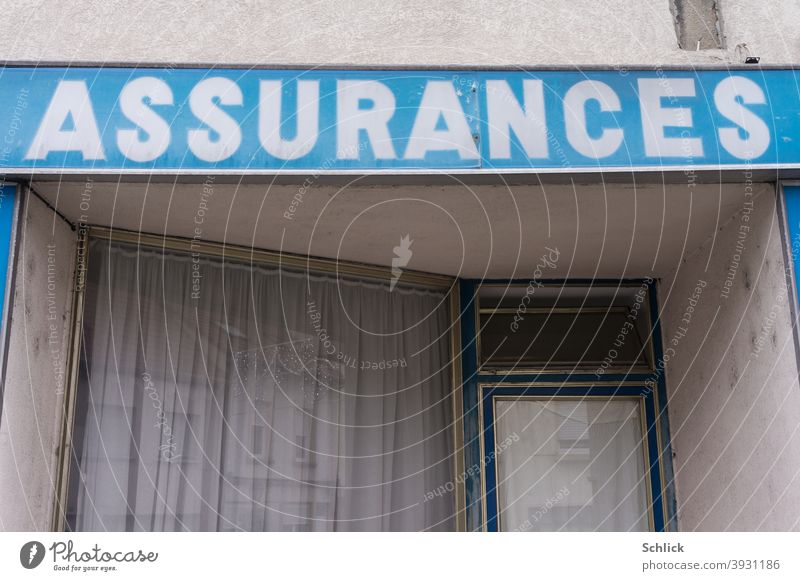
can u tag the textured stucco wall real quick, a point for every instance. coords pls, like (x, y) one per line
(769, 29)
(31, 417)
(732, 379)
(538, 32)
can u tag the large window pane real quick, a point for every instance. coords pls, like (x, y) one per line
(573, 465)
(224, 396)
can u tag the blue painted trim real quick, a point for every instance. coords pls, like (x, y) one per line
(657, 504)
(663, 419)
(472, 454)
(8, 207)
(790, 238)
(643, 391)
(562, 281)
(584, 377)
(8, 196)
(489, 465)
(791, 197)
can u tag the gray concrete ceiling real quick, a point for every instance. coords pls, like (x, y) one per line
(598, 230)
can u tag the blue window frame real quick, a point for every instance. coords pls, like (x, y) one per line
(481, 387)
(791, 208)
(490, 393)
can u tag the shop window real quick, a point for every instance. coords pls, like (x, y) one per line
(257, 398)
(582, 459)
(567, 407)
(564, 327)
(572, 457)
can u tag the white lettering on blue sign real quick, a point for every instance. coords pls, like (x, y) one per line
(272, 120)
(70, 101)
(526, 121)
(151, 137)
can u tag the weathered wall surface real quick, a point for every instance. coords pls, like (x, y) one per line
(767, 28)
(622, 230)
(34, 386)
(538, 32)
(698, 24)
(732, 378)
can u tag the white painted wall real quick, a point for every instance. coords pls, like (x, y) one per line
(537, 32)
(31, 415)
(734, 401)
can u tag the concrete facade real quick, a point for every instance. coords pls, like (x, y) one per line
(30, 426)
(732, 378)
(416, 32)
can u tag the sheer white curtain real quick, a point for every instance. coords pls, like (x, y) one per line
(223, 396)
(570, 465)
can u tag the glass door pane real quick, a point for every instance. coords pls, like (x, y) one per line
(570, 465)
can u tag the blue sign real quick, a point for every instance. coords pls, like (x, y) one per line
(8, 195)
(272, 121)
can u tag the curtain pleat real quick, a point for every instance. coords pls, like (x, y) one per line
(216, 395)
